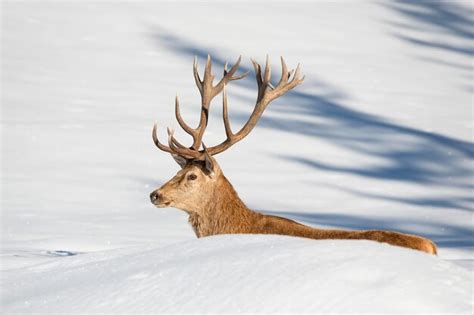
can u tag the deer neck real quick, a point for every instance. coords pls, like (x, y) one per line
(223, 213)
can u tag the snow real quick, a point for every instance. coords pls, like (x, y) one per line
(244, 273)
(378, 137)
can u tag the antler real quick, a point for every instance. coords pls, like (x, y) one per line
(266, 93)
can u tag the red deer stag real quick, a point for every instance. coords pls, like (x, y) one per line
(201, 189)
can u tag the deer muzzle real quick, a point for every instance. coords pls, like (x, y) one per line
(156, 198)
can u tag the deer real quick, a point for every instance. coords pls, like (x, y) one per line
(206, 195)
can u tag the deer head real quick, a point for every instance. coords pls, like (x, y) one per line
(200, 179)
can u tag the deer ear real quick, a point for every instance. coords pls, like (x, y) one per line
(180, 160)
(209, 164)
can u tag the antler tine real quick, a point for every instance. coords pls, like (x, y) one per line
(179, 118)
(258, 77)
(178, 148)
(174, 147)
(258, 72)
(225, 114)
(297, 75)
(243, 75)
(284, 72)
(207, 70)
(176, 143)
(231, 72)
(228, 76)
(268, 69)
(157, 142)
(173, 139)
(196, 75)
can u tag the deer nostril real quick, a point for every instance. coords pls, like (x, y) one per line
(155, 196)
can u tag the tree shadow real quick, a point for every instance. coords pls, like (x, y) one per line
(439, 202)
(444, 16)
(407, 154)
(434, 25)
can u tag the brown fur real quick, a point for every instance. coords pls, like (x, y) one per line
(215, 208)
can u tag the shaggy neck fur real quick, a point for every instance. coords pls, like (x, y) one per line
(223, 213)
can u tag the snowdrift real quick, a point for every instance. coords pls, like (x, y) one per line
(243, 273)
(378, 137)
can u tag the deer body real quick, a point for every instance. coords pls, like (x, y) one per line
(221, 211)
(202, 190)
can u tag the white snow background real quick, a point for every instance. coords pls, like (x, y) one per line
(379, 136)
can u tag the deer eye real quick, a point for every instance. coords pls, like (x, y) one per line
(192, 176)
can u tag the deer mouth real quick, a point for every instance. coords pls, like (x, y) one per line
(161, 203)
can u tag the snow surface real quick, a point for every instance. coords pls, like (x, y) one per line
(380, 135)
(244, 273)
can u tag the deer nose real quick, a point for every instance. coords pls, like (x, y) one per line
(155, 196)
